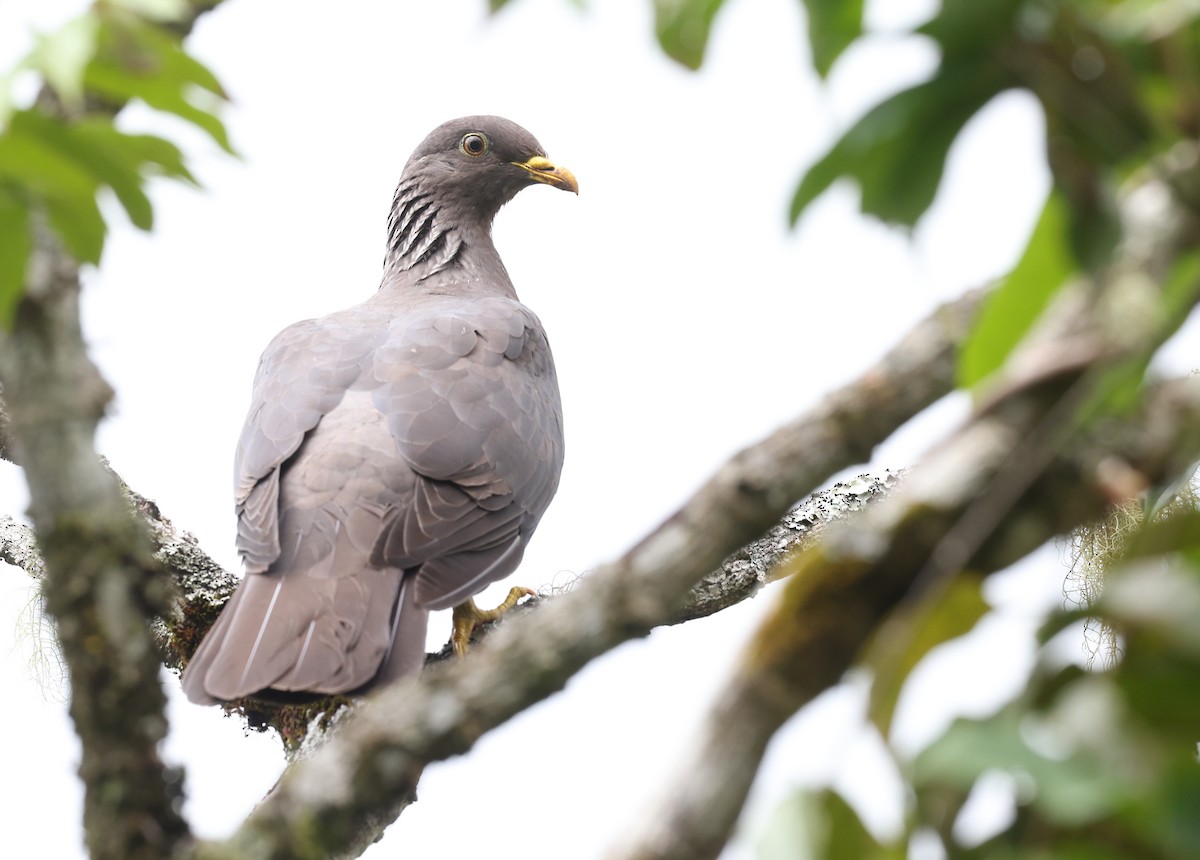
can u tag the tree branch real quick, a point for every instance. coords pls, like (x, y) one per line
(18, 547)
(746, 571)
(843, 589)
(101, 583)
(1031, 464)
(377, 756)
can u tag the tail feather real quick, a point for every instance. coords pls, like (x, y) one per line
(406, 654)
(296, 632)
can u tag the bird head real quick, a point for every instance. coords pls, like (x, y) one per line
(487, 160)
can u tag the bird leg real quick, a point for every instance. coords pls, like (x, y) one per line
(468, 616)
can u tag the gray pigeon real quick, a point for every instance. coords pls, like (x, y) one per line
(398, 454)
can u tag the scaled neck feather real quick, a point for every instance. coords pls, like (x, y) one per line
(433, 244)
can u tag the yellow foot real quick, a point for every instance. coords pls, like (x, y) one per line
(468, 616)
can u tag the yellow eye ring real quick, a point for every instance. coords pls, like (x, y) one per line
(474, 144)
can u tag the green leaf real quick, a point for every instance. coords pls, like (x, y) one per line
(905, 640)
(1165, 691)
(138, 60)
(791, 831)
(809, 825)
(143, 47)
(163, 154)
(1172, 526)
(62, 57)
(1166, 816)
(1119, 387)
(897, 151)
(57, 167)
(1073, 789)
(159, 93)
(26, 161)
(1158, 603)
(969, 29)
(78, 222)
(15, 245)
(846, 838)
(95, 146)
(683, 28)
(122, 160)
(1044, 267)
(6, 103)
(832, 26)
(59, 183)
(156, 10)
(1180, 289)
(108, 157)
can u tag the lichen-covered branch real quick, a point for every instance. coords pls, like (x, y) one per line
(18, 547)
(748, 569)
(101, 583)
(202, 586)
(843, 588)
(372, 763)
(1034, 462)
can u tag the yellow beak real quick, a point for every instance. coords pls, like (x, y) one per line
(548, 173)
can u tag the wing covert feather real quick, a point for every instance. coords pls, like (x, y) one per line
(390, 463)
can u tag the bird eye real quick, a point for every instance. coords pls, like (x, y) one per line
(473, 144)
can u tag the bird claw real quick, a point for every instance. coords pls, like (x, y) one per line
(468, 617)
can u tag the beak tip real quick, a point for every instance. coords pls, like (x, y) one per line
(542, 170)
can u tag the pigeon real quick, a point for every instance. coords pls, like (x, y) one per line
(397, 455)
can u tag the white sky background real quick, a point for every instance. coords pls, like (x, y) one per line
(687, 321)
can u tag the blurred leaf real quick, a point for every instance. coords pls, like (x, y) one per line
(1016, 304)
(57, 166)
(969, 29)
(1072, 790)
(25, 160)
(832, 26)
(137, 41)
(1173, 528)
(1159, 496)
(96, 147)
(897, 151)
(1149, 20)
(156, 10)
(790, 832)
(1164, 690)
(95, 154)
(15, 245)
(120, 160)
(846, 838)
(809, 825)
(1166, 817)
(1157, 603)
(62, 57)
(78, 222)
(1088, 87)
(159, 152)
(683, 28)
(1119, 389)
(6, 103)
(160, 94)
(138, 60)
(906, 638)
(1180, 289)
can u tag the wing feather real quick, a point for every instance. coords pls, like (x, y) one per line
(396, 457)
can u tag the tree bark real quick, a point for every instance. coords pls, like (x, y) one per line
(1035, 461)
(101, 584)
